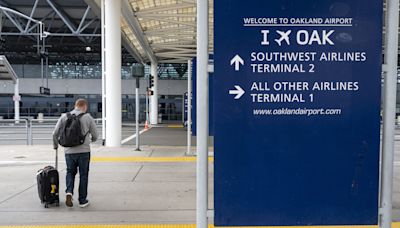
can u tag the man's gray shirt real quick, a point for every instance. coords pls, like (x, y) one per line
(88, 127)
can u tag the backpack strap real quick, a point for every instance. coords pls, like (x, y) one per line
(80, 115)
(69, 115)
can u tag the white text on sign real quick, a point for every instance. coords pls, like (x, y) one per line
(301, 37)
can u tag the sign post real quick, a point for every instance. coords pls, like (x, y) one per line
(389, 112)
(137, 71)
(137, 112)
(297, 108)
(202, 114)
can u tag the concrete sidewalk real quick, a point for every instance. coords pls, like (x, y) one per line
(154, 186)
(120, 192)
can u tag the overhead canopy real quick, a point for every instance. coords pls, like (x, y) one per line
(6, 71)
(161, 30)
(168, 27)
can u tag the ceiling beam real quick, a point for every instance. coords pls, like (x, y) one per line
(177, 42)
(132, 21)
(162, 31)
(171, 21)
(166, 8)
(32, 13)
(176, 55)
(94, 6)
(63, 15)
(83, 19)
(166, 45)
(131, 49)
(125, 41)
(161, 15)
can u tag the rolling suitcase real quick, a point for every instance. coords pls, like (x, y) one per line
(48, 185)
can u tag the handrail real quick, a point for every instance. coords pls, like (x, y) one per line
(46, 123)
(29, 124)
(26, 124)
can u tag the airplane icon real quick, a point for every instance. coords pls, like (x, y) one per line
(284, 37)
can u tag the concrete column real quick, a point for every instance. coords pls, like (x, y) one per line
(113, 68)
(389, 113)
(154, 98)
(202, 114)
(103, 75)
(17, 98)
(189, 110)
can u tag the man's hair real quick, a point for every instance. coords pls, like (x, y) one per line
(80, 103)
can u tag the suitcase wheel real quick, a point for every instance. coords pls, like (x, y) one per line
(46, 205)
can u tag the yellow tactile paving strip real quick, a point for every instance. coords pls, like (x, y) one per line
(146, 159)
(395, 225)
(175, 126)
(110, 226)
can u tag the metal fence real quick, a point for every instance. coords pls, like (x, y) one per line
(30, 130)
(15, 130)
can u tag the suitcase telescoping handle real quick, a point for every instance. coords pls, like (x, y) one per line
(56, 163)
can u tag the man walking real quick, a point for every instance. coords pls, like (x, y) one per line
(75, 131)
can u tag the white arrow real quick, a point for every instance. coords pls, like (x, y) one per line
(237, 60)
(238, 92)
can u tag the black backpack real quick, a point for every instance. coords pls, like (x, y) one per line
(70, 132)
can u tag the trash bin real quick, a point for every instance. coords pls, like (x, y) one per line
(159, 118)
(40, 117)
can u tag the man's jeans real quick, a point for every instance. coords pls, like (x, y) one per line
(75, 161)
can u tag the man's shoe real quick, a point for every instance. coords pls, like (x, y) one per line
(84, 204)
(68, 200)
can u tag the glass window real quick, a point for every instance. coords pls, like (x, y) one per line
(79, 71)
(69, 71)
(55, 71)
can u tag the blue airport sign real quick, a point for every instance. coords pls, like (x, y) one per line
(297, 112)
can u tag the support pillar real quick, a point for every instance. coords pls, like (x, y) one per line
(389, 112)
(103, 75)
(154, 98)
(113, 69)
(189, 110)
(202, 114)
(17, 98)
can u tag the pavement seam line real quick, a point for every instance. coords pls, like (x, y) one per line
(17, 194)
(137, 174)
(151, 153)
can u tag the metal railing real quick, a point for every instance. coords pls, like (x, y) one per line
(42, 129)
(30, 130)
(15, 130)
